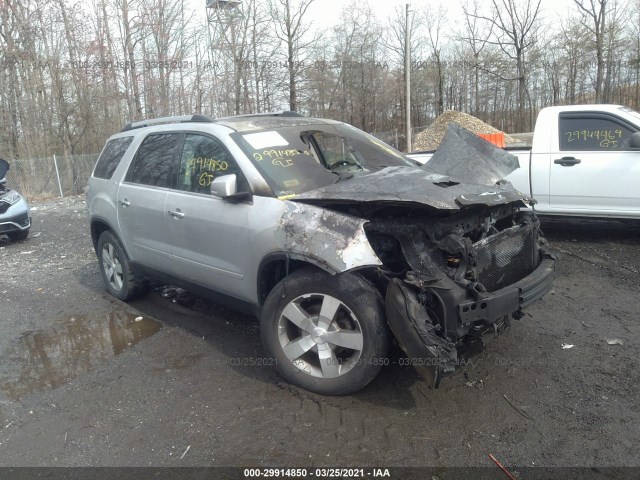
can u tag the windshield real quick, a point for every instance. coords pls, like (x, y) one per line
(298, 159)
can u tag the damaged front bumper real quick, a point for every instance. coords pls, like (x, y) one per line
(436, 317)
(435, 356)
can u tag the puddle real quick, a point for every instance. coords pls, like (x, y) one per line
(46, 359)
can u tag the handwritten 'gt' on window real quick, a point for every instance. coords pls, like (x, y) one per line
(607, 138)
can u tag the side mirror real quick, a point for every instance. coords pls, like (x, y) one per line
(634, 142)
(224, 186)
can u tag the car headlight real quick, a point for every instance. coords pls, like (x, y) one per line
(11, 197)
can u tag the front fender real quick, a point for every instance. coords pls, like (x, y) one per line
(334, 239)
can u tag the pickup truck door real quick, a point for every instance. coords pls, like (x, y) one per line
(593, 169)
(142, 197)
(209, 236)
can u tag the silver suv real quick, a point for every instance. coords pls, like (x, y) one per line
(338, 242)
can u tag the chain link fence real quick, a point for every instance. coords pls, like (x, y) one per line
(52, 176)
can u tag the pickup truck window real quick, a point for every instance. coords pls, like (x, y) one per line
(589, 132)
(154, 161)
(203, 159)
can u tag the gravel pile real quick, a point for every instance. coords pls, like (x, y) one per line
(430, 137)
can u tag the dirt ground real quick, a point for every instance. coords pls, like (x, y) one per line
(172, 380)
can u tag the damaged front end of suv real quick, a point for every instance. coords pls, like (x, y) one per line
(460, 255)
(459, 278)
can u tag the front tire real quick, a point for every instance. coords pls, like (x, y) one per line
(116, 269)
(326, 334)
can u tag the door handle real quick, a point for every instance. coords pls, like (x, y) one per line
(124, 202)
(567, 161)
(176, 213)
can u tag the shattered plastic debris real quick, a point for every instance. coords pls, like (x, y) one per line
(139, 319)
(479, 384)
(614, 341)
(566, 346)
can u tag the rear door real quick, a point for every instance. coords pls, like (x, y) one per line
(209, 237)
(141, 200)
(594, 169)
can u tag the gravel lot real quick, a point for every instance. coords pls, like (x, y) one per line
(172, 380)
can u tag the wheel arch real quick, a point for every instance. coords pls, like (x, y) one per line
(98, 226)
(276, 266)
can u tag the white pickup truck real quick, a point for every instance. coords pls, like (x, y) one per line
(584, 161)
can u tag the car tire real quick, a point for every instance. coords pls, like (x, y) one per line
(307, 312)
(18, 236)
(116, 269)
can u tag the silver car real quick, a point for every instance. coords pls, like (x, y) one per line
(337, 241)
(15, 221)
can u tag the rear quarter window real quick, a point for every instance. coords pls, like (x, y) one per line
(111, 156)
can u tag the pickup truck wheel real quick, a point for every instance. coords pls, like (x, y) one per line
(116, 270)
(326, 334)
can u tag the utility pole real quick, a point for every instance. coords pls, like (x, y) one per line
(407, 78)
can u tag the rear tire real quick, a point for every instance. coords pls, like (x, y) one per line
(116, 269)
(326, 334)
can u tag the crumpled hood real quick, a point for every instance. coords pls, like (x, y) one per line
(4, 168)
(469, 158)
(413, 185)
(462, 157)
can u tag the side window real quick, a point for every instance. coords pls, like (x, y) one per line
(154, 162)
(583, 133)
(111, 156)
(203, 159)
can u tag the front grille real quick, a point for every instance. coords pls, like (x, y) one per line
(4, 206)
(506, 257)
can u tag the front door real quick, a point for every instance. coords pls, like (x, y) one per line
(594, 169)
(209, 237)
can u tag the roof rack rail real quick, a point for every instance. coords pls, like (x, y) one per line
(284, 113)
(198, 118)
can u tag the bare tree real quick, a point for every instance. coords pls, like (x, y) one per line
(129, 33)
(476, 34)
(594, 18)
(435, 23)
(293, 29)
(516, 23)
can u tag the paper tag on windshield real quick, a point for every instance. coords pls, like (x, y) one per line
(265, 139)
